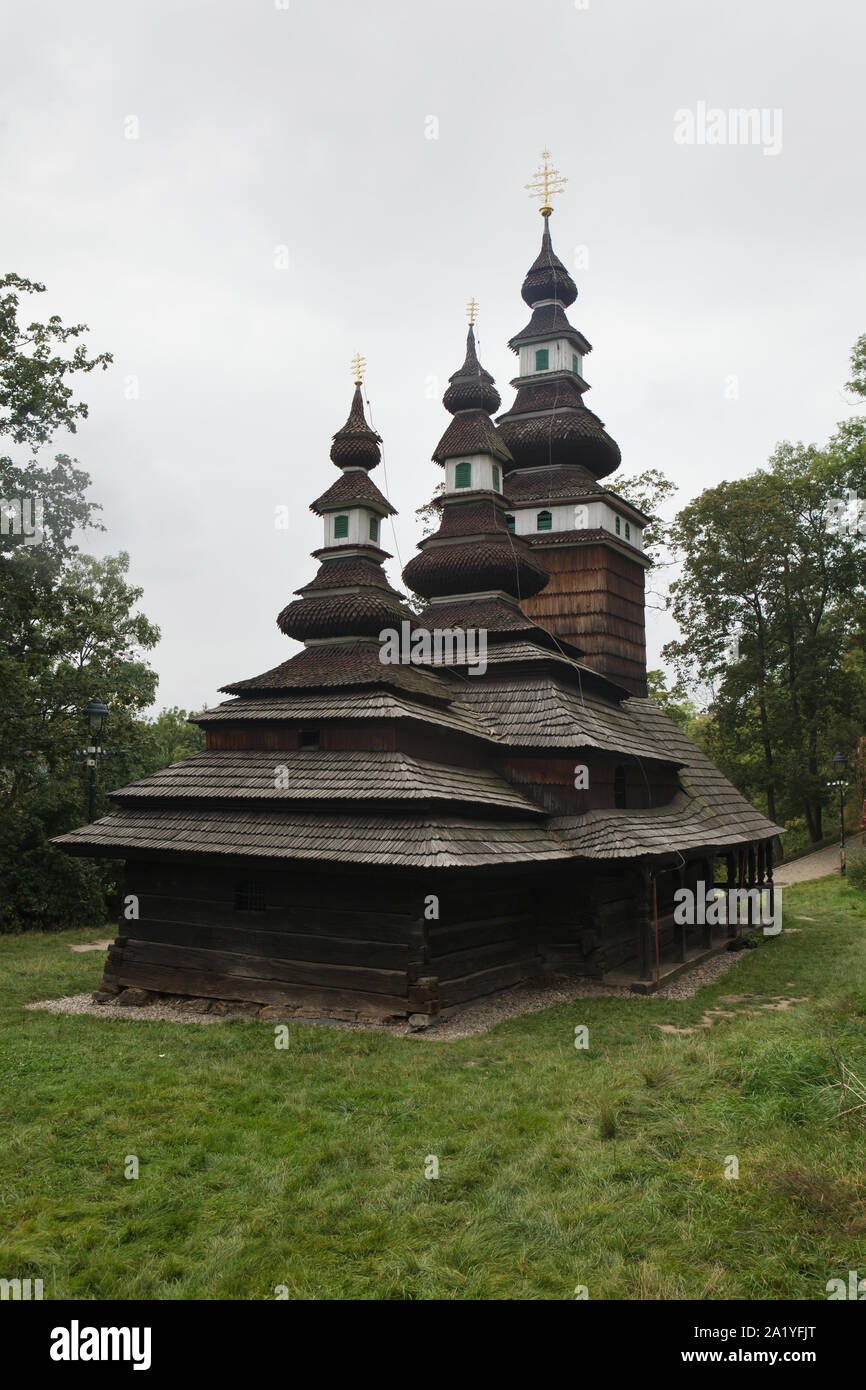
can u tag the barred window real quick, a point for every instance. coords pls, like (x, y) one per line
(544, 521)
(619, 796)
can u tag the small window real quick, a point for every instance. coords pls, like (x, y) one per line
(619, 788)
(249, 897)
(542, 359)
(374, 528)
(627, 532)
(497, 478)
(341, 527)
(544, 522)
(463, 475)
(309, 738)
(575, 364)
(509, 522)
(618, 525)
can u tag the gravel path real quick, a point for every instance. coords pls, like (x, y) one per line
(466, 1022)
(821, 864)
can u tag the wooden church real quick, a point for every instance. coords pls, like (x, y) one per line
(377, 838)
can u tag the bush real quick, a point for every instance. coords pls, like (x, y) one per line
(856, 871)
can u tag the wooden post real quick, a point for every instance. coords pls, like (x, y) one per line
(645, 925)
(769, 862)
(731, 864)
(754, 918)
(679, 927)
(707, 866)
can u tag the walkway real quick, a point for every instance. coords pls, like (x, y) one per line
(821, 864)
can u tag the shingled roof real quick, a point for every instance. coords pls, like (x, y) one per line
(311, 775)
(408, 840)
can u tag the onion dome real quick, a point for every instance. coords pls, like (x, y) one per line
(354, 488)
(356, 445)
(567, 434)
(478, 564)
(350, 596)
(362, 612)
(473, 550)
(471, 387)
(548, 426)
(547, 277)
(471, 397)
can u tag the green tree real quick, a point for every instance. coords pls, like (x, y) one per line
(68, 630)
(36, 394)
(770, 600)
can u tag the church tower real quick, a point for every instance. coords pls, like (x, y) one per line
(587, 537)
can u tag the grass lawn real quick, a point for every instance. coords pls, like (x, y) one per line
(558, 1167)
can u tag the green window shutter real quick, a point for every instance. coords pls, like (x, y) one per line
(509, 522)
(575, 363)
(544, 522)
(497, 478)
(627, 532)
(374, 529)
(463, 475)
(542, 359)
(341, 527)
(618, 526)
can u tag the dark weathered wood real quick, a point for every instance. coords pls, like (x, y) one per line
(228, 964)
(458, 990)
(210, 985)
(281, 945)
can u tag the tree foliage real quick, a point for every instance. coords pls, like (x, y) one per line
(69, 629)
(36, 391)
(771, 603)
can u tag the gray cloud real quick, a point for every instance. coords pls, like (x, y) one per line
(304, 127)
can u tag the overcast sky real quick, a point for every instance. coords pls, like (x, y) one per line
(306, 125)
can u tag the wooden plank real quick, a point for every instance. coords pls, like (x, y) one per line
(443, 939)
(457, 991)
(226, 963)
(210, 985)
(481, 958)
(357, 925)
(281, 945)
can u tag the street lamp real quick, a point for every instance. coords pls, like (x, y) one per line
(96, 713)
(840, 766)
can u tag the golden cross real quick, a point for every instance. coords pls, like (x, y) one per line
(472, 310)
(546, 183)
(359, 364)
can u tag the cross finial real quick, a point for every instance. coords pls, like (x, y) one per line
(472, 311)
(546, 183)
(359, 365)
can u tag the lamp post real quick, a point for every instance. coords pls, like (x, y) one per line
(96, 713)
(840, 765)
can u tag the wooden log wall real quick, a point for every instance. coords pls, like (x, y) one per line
(484, 938)
(551, 781)
(340, 945)
(595, 598)
(332, 944)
